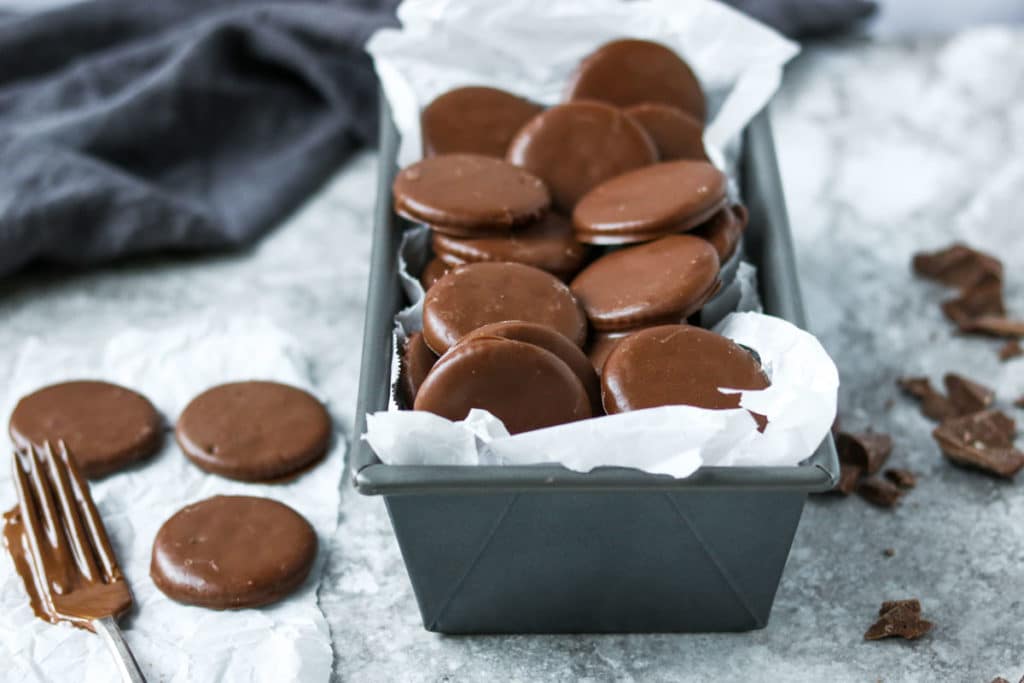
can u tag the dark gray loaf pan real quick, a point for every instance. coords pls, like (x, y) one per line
(541, 549)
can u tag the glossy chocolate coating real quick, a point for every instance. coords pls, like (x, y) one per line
(677, 365)
(676, 134)
(476, 294)
(474, 120)
(601, 345)
(650, 202)
(628, 72)
(547, 338)
(107, 427)
(724, 230)
(254, 431)
(469, 193)
(416, 361)
(647, 284)
(524, 385)
(547, 244)
(232, 552)
(574, 147)
(432, 272)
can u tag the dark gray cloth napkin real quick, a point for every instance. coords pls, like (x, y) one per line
(130, 126)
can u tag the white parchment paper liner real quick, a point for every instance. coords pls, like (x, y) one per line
(287, 641)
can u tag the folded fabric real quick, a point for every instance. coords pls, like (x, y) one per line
(131, 126)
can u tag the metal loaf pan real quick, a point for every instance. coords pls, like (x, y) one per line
(541, 549)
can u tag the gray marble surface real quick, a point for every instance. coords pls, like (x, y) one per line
(885, 149)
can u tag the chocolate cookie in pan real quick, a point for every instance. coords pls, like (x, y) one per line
(254, 430)
(631, 71)
(432, 272)
(601, 345)
(574, 147)
(476, 294)
(662, 281)
(468, 195)
(105, 426)
(232, 552)
(415, 363)
(724, 230)
(677, 365)
(547, 244)
(650, 202)
(676, 134)
(474, 120)
(527, 387)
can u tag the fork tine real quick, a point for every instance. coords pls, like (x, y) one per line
(39, 557)
(68, 506)
(97, 533)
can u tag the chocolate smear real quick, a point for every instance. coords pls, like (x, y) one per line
(867, 450)
(880, 492)
(982, 441)
(899, 618)
(905, 479)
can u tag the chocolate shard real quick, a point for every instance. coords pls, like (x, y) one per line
(934, 404)
(959, 266)
(967, 396)
(849, 476)
(867, 450)
(983, 299)
(880, 492)
(1010, 350)
(905, 479)
(996, 326)
(982, 441)
(899, 619)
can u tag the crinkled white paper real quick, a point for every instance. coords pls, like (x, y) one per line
(288, 641)
(531, 47)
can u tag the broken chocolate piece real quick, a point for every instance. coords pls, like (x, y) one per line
(959, 266)
(867, 450)
(966, 395)
(996, 326)
(982, 441)
(979, 300)
(933, 404)
(849, 475)
(905, 479)
(880, 492)
(1010, 349)
(899, 618)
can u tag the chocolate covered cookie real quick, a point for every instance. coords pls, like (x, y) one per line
(724, 230)
(662, 281)
(468, 195)
(232, 552)
(416, 361)
(676, 134)
(432, 272)
(474, 120)
(254, 431)
(677, 365)
(476, 294)
(105, 426)
(628, 72)
(650, 202)
(574, 147)
(527, 387)
(548, 244)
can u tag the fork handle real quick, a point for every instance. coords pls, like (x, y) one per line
(107, 629)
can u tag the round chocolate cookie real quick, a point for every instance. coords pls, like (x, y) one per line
(650, 202)
(106, 427)
(677, 365)
(474, 120)
(476, 294)
(416, 361)
(468, 194)
(574, 147)
(601, 344)
(548, 244)
(547, 338)
(676, 134)
(657, 282)
(432, 272)
(527, 387)
(254, 431)
(232, 552)
(724, 230)
(628, 72)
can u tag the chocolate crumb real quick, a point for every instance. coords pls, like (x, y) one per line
(958, 266)
(996, 326)
(867, 450)
(934, 404)
(849, 475)
(879, 492)
(1010, 349)
(889, 552)
(899, 618)
(966, 395)
(981, 441)
(905, 479)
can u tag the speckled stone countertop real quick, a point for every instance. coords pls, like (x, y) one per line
(886, 149)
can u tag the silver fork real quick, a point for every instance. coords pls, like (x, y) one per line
(62, 551)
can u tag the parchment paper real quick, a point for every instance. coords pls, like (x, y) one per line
(288, 641)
